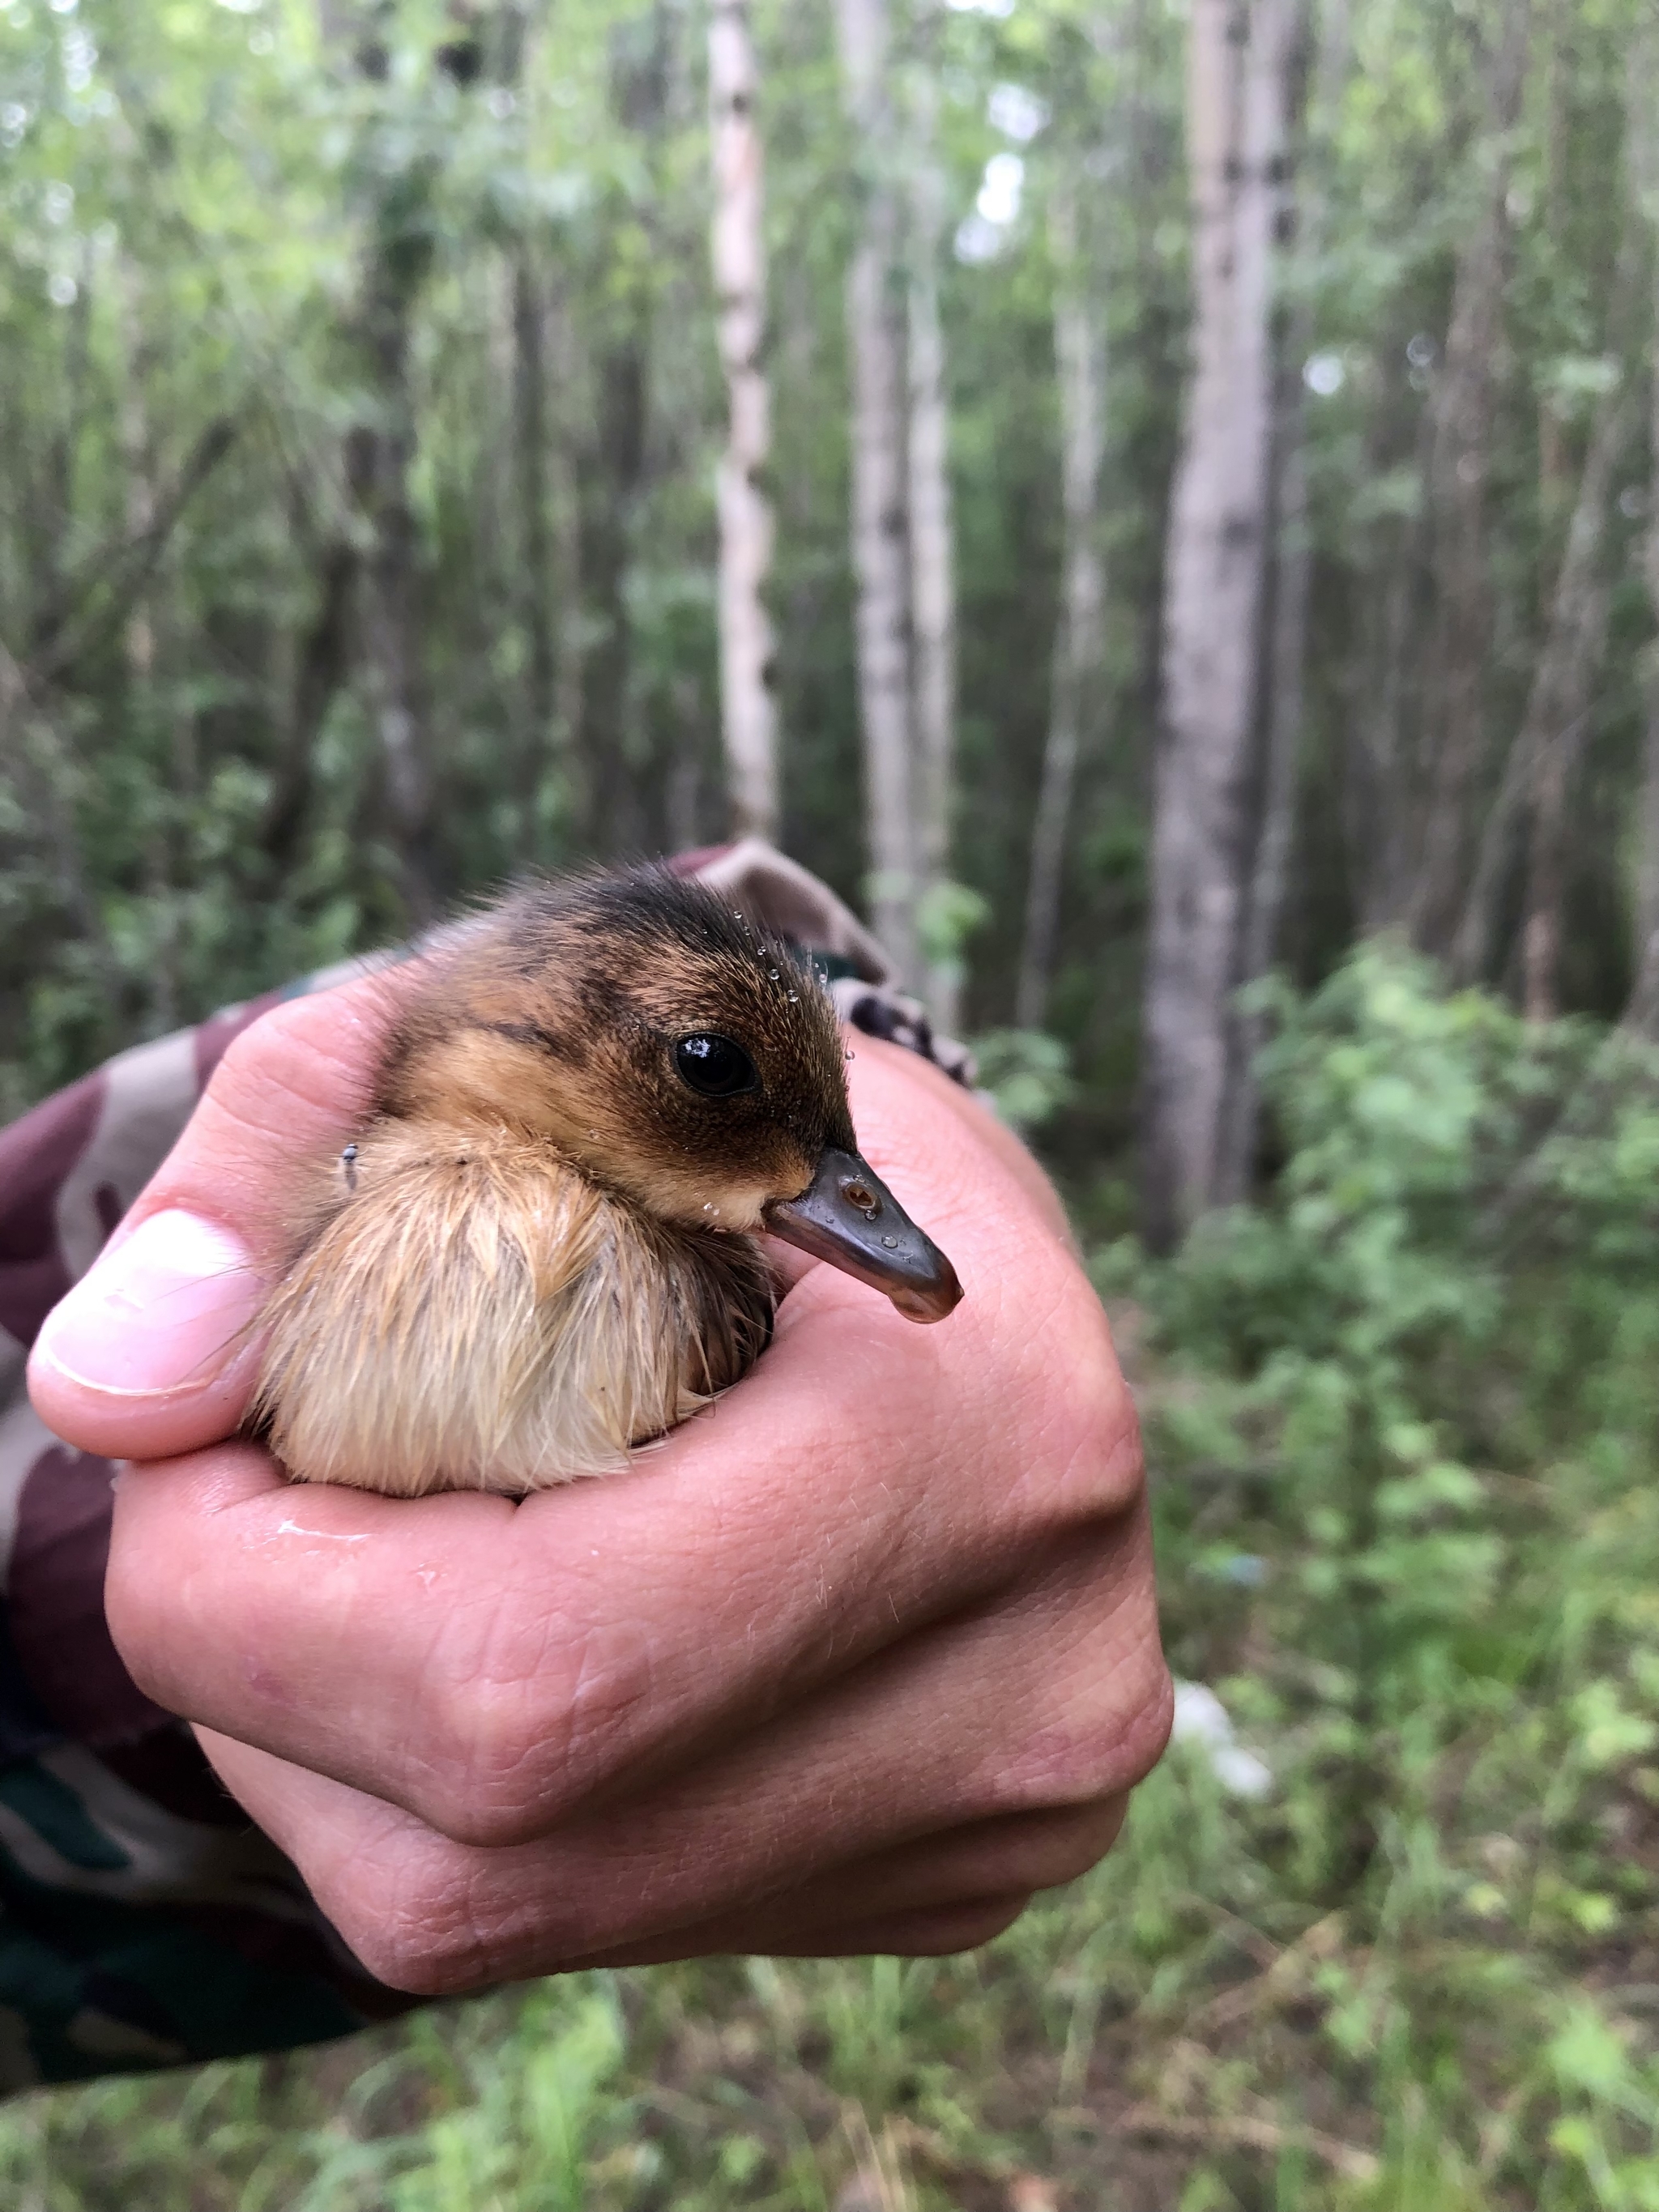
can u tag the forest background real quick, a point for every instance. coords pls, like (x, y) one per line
(1157, 504)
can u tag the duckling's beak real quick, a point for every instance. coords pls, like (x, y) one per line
(848, 1215)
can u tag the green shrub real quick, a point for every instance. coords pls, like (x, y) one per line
(1403, 1438)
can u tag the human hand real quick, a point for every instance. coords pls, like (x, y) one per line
(854, 1662)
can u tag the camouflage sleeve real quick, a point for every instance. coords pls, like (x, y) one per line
(143, 1922)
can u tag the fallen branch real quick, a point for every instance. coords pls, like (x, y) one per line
(1239, 2132)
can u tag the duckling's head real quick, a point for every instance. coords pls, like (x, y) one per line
(646, 1031)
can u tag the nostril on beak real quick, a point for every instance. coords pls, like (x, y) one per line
(860, 1195)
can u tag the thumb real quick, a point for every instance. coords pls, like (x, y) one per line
(153, 1351)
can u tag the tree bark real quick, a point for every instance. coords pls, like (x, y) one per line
(1205, 794)
(530, 439)
(880, 546)
(1642, 1012)
(1287, 641)
(1079, 637)
(1463, 404)
(748, 712)
(932, 536)
(137, 448)
(1380, 818)
(379, 454)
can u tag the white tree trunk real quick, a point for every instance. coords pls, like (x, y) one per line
(1203, 819)
(1293, 575)
(738, 243)
(879, 528)
(932, 547)
(1644, 1012)
(1080, 363)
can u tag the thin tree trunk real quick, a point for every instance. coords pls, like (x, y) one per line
(1292, 570)
(321, 665)
(933, 545)
(1380, 818)
(138, 642)
(1642, 1013)
(748, 714)
(1540, 759)
(1204, 794)
(1552, 442)
(565, 486)
(530, 438)
(610, 813)
(879, 522)
(58, 535)
(1643, 1009)
(606, 811)
(379, 454)
(1557, 732)
(380, 457)
(1080, 365)
(1463, 406)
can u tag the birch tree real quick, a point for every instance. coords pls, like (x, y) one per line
(1645, 993)
(1287, 633)
(880, 543)
(931, 537)
(748, 718)
(1204, 815)
(1643, 164)
(1080, 370)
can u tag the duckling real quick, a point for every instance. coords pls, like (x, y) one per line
(540, 1250)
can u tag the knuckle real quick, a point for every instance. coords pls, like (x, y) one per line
(280, 1062)
(1066, 1845)
(1097, 1754)
(1085, 1461)
(412, 1929)
(947, 1928)
(531, 1726)
(483, 1783)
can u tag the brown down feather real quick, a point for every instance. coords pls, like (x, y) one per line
(537, 1255)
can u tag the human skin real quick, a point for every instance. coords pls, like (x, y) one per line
(856, 1661)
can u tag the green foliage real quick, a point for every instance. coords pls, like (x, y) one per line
(1026, 1073)
(1415, 1395)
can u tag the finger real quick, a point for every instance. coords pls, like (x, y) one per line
(903, 1750)
(1011, 1858)
(914, 1935)
(153, 1351)
(977, 1123)
(961, 1924)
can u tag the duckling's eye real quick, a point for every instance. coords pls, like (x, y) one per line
(715, 1066)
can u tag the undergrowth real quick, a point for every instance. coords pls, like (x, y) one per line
(1402, 1423)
